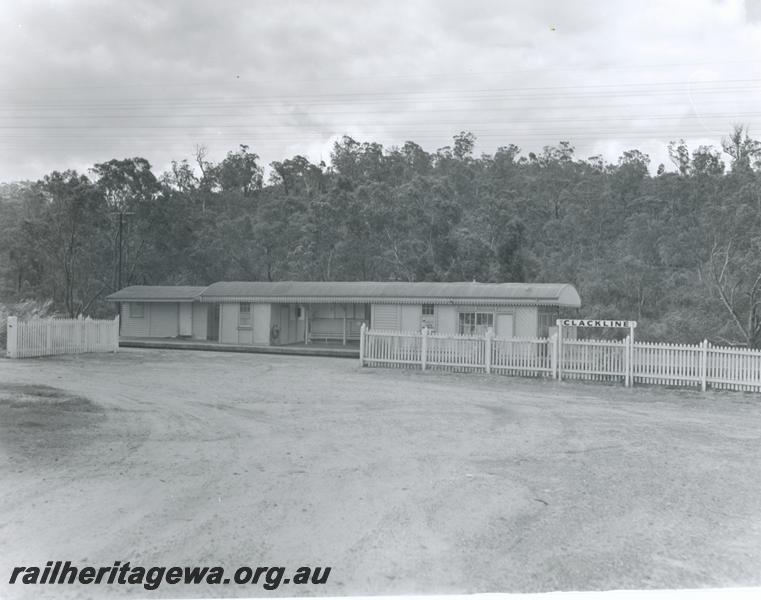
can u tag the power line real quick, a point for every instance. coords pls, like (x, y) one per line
(518, 92)
(377, 77)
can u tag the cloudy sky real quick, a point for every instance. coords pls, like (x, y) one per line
(84, 81)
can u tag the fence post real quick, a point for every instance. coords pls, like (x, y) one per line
(628, 361)
(49, 337)
(487, 357)
(12, 339)
(116, 333)
(362, 331)
(703, 364)
(554, 354)
(560, 354)
(424, 349)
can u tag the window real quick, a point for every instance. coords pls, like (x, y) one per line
(428, 319)
(244, 315)
(136, 310)
(475, 323)
(298, 312)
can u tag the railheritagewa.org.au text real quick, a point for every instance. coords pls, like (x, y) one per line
(150, 578)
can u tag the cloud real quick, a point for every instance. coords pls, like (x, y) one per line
(86, 81)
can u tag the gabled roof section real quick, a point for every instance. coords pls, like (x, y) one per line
(553, 294)
(157, 293)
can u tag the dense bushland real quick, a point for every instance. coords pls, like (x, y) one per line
(677, 249)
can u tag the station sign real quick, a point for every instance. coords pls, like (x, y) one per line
(596, 323)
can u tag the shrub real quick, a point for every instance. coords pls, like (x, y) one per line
(25, 309)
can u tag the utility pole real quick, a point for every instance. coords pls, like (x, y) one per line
(120, 237)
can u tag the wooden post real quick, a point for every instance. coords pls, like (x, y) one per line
(554, 354)
(12, 340)
(117, 328)
(632, 324)
(49, 337)
(703, 365)
(489, 336)
(628, 361)
(344, 339)
(306, 324)
(424, 349)
(362, 331)
(560, 352)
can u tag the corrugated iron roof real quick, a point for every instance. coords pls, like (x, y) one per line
(560, 294)
(156, 293)
(556, 294)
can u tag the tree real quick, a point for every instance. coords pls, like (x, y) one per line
(69, 233)
(239, 172)
(743, 150)
(129, 187)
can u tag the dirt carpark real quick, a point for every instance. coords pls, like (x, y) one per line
(401, 481)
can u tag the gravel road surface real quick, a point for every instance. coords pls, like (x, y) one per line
(402, 482)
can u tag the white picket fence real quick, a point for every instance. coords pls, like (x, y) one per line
(702, 365)
(46, 337)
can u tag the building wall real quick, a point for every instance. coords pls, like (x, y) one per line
(261, 316)
(407, 317)
(161, 319)
(446, 319)
(228, 323)
(164, 319)
(386, 316)
(132, 326)
(525, 323)
(283, 316)
(185, 319)
(411, 314)
(200, 320)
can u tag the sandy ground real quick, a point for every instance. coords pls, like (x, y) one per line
(402, 482)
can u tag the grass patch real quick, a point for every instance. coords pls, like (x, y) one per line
(40, 421)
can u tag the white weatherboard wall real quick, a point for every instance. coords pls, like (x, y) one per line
(231, 333)
(186, 319)
(200, 320)
(386, 316)
(411, 314)
(446, 318)
(132, 326)
(228, 323)
(261, 316)
(525, 320)
(164, 319)
(407, 317)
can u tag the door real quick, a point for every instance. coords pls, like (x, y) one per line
(504, 326)
(186, 319)
(212, 330)
(285, 324)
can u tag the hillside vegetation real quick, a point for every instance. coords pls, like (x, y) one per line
(677, 249)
